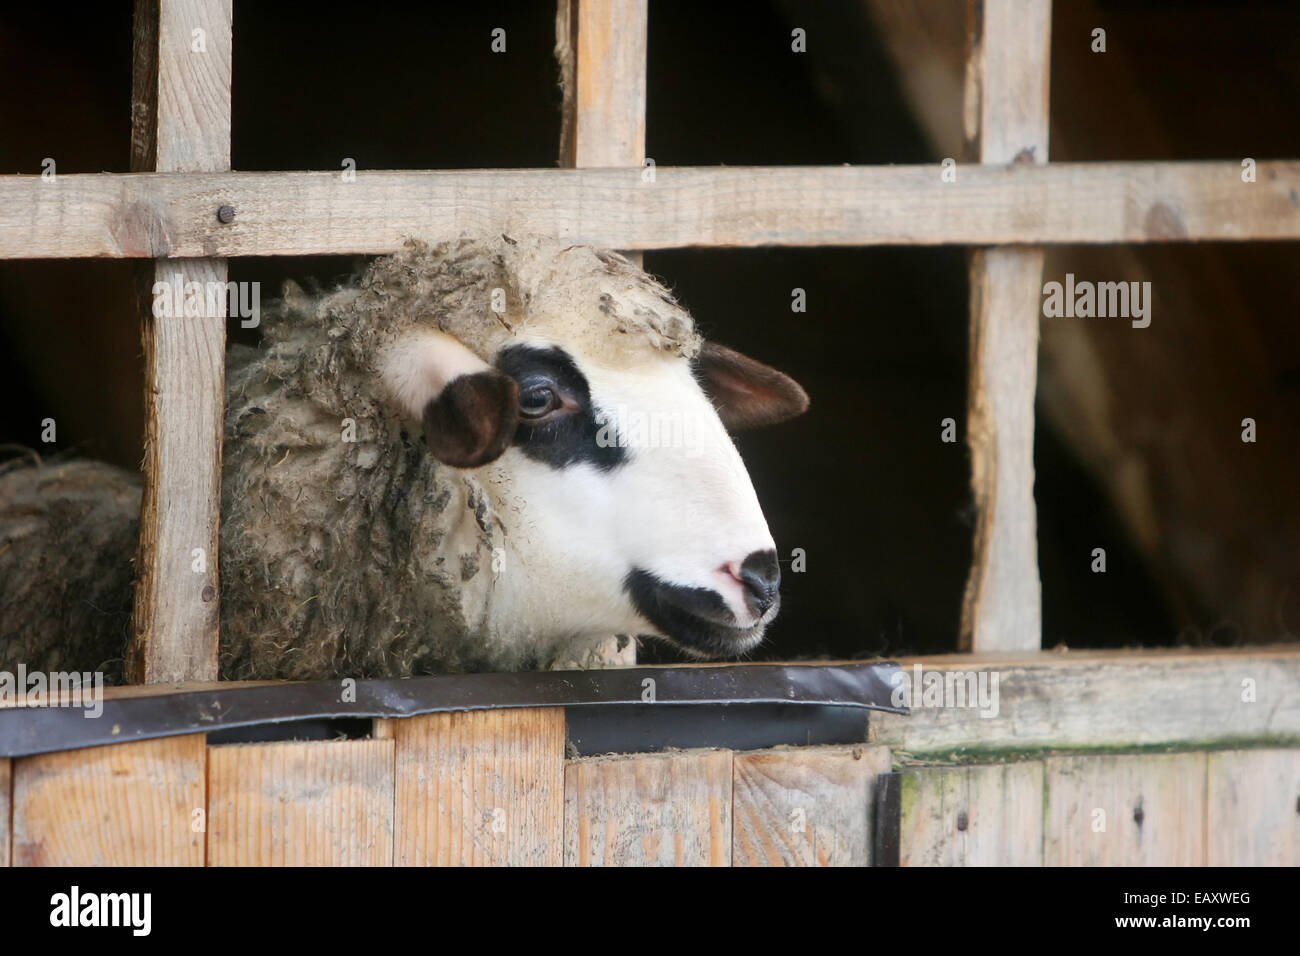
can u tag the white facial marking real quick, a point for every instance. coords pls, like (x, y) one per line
(681, 506)
(417, 366)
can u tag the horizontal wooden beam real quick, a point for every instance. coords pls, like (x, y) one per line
(174, 215)
(1103, 700)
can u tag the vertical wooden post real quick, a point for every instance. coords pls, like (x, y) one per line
(601, 48)
(180, 122)
(1007, 122)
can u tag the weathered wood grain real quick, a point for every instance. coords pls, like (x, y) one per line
(314, 213)
(1007, 73)
(1125, 810)
(1253, 811)
(987, 815)
(132, 804)
(1002, 608)
(653, 810)
(971, 816)
(805, 806)
(6, 810)
(1083, 699)
(479, 787)
(601, 47)
(180, 121)
(301, 803)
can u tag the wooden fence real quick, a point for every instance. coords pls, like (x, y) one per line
(495, 787)
(1083, 759)
(188, 212)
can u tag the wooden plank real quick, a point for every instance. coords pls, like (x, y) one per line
(1008, 73)
(132, 804)
(653, 810)
(479, 788)
(6, 810)
(314, 213)
(1084, 699)
(990, 815)
(1129, 810)
(1002, 607)
(1253, 808)
(301, 803)
(805, 806)
(180, 116)
(601, 46)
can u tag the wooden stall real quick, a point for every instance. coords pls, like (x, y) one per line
(1091, 758)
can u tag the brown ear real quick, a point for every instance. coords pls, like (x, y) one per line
(747, 393)
(473, 419)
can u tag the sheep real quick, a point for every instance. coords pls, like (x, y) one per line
(444, 465)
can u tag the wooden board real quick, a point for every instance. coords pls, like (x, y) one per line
(1108, 699)
(301, 803)
(6, 810)
(132, 804)
(1253, 808)
(1128, 810)
(1007, 112)
(180, 115)
(1002, 607)
(152, 215)
(988, 815)
(479, 787)
(805, 806)
(601, 47)
(653, 810)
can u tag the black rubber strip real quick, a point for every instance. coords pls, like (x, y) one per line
(33, 730)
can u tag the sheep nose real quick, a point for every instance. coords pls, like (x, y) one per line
(761, 577)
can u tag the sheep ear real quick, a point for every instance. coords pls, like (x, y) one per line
(747, 393)
(470, 410)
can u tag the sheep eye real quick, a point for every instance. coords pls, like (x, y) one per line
(538, 402)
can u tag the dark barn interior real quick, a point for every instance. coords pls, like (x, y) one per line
(1138, 447)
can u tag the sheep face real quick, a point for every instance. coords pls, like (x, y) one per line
(625, 504)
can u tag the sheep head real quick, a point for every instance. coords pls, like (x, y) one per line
(582, 391)
(575, 439)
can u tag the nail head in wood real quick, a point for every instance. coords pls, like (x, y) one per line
(226, 214)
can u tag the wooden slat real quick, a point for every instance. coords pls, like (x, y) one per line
(180, 122)
(132, 804)
(805, 806)
(301, 803)
(1086, 699)
(1253, 811)
(479, 787)
(6, 810)
(654, 810)
(314, 213)
(1152, 807)
(601, 46)
(990, 815)
(1007, 107)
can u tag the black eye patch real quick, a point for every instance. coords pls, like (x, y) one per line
(566, 439)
